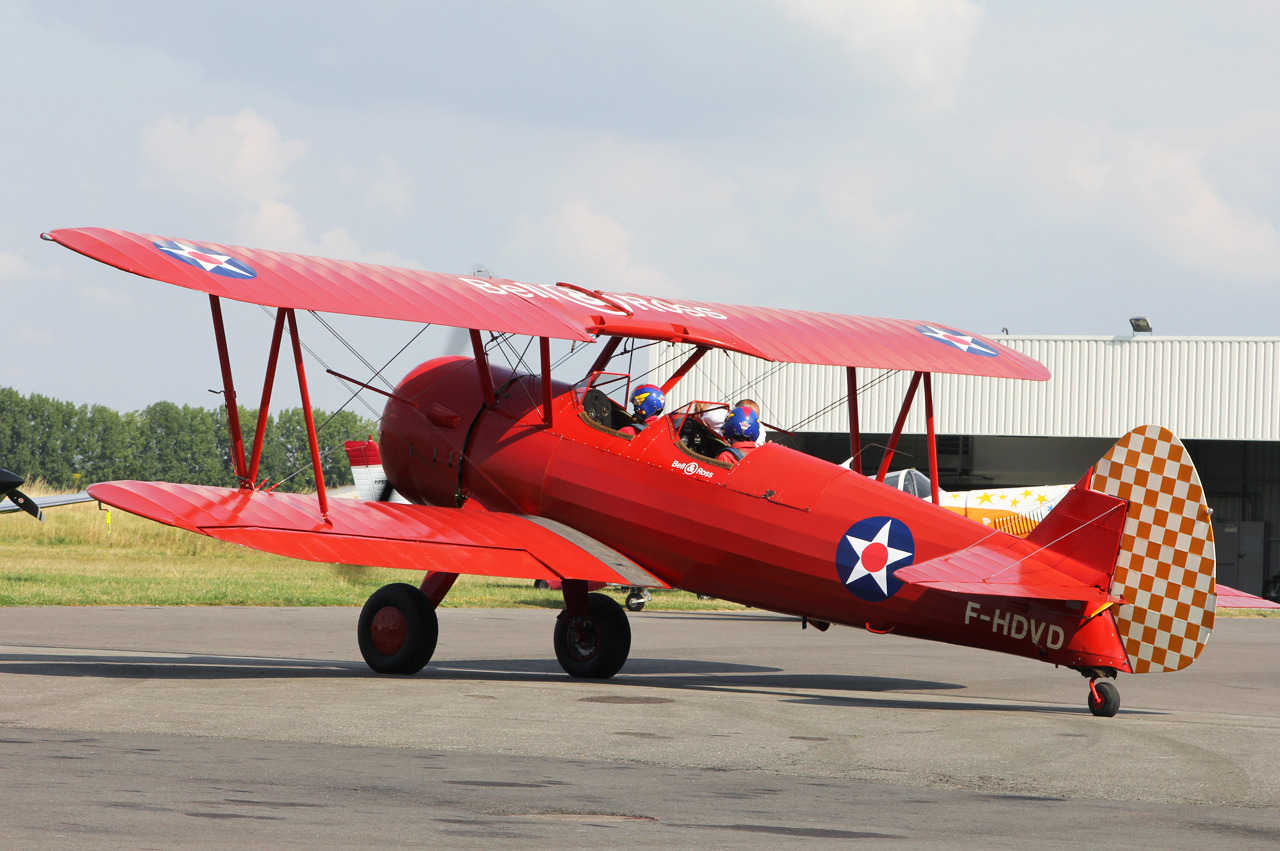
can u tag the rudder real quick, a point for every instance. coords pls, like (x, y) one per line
(1165, 570)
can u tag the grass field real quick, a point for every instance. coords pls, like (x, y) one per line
(83, 556)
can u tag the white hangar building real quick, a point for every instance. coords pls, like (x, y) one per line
(1219, 395)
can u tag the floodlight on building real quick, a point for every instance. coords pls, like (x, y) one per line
(1140, 325)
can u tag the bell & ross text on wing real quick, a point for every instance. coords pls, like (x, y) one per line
(546, 291)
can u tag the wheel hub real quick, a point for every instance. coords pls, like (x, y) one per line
(387, 632)
(583, 638)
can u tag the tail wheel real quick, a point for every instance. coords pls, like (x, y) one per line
(398, 630)
(595, 646)
(1104, 699)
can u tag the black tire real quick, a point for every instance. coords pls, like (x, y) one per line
(596, 646)
(1109, 705)
(541, 584)
(398, 630)
(635, 603)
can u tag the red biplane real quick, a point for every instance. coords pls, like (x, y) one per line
(522, 475)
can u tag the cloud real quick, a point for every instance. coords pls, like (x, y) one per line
(589, 243)
(104, 296)
(34, 336)
(13, 267)
(384, 187)
(918, 47)
(849, 196)
(1151, 188)
(241, 161)
(239, 158)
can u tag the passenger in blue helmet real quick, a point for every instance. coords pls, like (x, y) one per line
(647, 403)
(741, 428)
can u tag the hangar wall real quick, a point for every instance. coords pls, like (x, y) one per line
(1207, 388)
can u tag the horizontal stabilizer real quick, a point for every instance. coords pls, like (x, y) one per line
(1230, 598)
(378, 534)
(1068, 557)
(1004, 566)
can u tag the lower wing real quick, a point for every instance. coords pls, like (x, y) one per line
(380, 534)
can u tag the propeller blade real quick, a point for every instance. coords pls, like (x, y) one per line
(26, 503)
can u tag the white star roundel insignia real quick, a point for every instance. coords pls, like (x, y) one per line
(870, 553)
(964, 342)
(206, 259)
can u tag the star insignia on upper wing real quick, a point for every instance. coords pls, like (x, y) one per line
(966, 343)
(206, 259)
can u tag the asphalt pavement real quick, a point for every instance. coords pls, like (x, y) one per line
(226, 727)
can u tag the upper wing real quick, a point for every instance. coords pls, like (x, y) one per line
(561, 311)
(380, 534)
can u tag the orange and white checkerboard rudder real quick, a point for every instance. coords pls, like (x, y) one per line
(1165, 571)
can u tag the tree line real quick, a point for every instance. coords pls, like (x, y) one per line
(72, 446)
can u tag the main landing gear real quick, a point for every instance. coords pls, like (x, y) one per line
(594, 645)
(398, 630)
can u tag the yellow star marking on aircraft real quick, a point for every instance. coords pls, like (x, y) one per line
(984, 499)
(1042, 499)
(1026, 493)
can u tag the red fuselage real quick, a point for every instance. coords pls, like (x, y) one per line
(766, 533)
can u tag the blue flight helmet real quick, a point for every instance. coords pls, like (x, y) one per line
(648, 401)
(741, 424)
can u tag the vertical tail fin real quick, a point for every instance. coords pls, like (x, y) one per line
(1165, 570)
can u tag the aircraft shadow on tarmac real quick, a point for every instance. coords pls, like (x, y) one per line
(676, 675)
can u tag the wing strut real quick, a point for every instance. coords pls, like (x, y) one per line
(605, 355)
(689, 364)
(544, 353)
(260, 430)
(931, 434)
(229, 394)
(248, 473)
(855, 429)
(310, 418)
(933, 437)
(897, 427)
(482, 367)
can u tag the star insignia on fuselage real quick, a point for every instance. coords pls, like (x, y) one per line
(869, 554)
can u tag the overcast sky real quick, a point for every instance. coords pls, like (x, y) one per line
(1042, 167)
